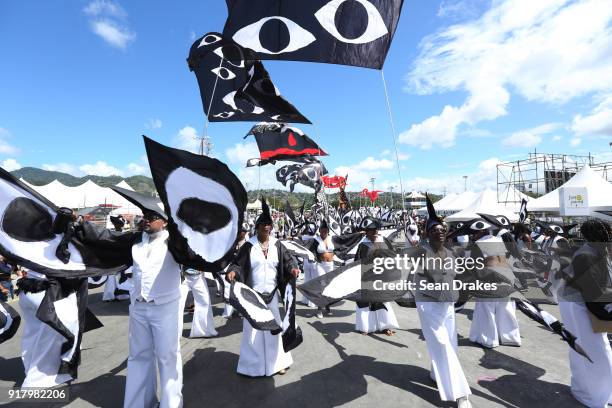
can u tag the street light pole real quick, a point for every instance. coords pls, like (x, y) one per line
(465, 183)
(391, 189)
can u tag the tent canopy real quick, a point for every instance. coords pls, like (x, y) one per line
(484, 203)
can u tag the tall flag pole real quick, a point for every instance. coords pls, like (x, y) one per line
(393, 134)
(205, 140)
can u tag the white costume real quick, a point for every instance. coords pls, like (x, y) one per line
(310, 271)
(591, 383)
(323, 246)
(155, 326)
(494, 322)
(203, 324)
(262, 353)
(436, 309)
(40, 344)
(371, 321)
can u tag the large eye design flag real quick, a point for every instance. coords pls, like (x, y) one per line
(346, 32)
(276, 141)
(205, 204)
(234, 86)
(31, 233)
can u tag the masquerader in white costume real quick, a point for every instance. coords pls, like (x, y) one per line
(155, 323)
(436, 309)
(202, 324)
(41, 345)
(325, 258)
(374, 317)
(243, 236)
(264, 265)
(589, 279)
(494, 322)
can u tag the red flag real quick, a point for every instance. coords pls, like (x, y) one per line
(334, 181)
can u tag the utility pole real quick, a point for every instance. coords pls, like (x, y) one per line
(465, 183)
(391, 189)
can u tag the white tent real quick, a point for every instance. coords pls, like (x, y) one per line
(599, 194)
(457, 204)
(415, 195)
(438, 205)
(255, 205)
(124, 184)
(485, 203)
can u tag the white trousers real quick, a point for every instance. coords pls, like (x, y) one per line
(591, 382)
(109, 288)
(438, 326)
(40, 346)
(203, 324)
(367, 321)
(261, 353)
(154, 333)
(494, 323)
(309, 273)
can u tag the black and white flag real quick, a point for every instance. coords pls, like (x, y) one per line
(346, 32)
(205, 204)
(252, 307)
(292, 333)
(38, 235)
(235, 86)
(9, 322)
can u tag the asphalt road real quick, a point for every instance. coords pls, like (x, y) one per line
(335, 366)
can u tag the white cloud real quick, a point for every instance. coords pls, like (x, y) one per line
(5, 147)
(188, 139)
(10, 165)
(575, 141)
(134, 169)
(100, 168)
(110, 31)
(101, 7)
(154, 123)
(529, 137)
(598, 122)
(370, 163)
(241, 152)
(556, 138)
(107, 21)
(460, 9)
(61, 167)
(547, 51)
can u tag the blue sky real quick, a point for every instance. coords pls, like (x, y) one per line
(470, 83)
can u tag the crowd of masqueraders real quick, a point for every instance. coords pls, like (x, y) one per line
(574, 269)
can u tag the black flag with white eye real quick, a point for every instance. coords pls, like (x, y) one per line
(346, 32)
(9, 322)
(96, 281)
(38, 235)
(205, 204)
(292, 333)
(252, 307)
(234, 85)
(298, 250)
(471, 227)
(523, 211)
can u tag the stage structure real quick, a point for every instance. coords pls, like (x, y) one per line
(541, 173)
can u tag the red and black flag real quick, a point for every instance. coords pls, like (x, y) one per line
(356, 32)
(277, 141)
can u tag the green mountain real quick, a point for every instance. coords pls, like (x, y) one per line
(276, 197)
(39, 177)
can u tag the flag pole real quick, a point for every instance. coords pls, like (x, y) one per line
(393, 133)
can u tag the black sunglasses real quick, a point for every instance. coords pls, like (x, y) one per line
(151, 217)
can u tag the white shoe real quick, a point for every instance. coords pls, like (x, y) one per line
(463, 402)
(319, 315)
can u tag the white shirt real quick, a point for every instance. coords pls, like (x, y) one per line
(263, 270)
(155, 273)
(324, 246)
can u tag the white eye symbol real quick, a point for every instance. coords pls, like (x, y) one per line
(480, 225)
(231, 54)
(224, 115)
(223, 73)
(503, 220)
(374, 29)
(248, 36)
(557, 229)
(209, 39)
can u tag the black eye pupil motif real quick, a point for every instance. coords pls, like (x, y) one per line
(251, 298)
(274, 35)
(357, 25)
(27, 221)
(197, 214)
(479, 225)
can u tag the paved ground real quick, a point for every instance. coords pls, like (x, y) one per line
(335, 366)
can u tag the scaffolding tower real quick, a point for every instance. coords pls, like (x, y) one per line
(541, 173)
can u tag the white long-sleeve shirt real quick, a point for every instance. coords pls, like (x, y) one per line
(156, 274)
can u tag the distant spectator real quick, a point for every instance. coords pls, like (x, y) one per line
(6, 285)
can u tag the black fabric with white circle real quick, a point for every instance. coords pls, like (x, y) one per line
(205, 203)
(238, 85)
(252, 307)
(27, 237)
(9, 322)
(347, 32)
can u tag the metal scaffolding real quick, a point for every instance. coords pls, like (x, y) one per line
(541, 173)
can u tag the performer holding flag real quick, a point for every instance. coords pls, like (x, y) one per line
(266, 266)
